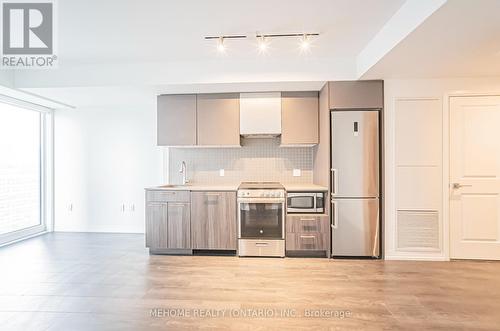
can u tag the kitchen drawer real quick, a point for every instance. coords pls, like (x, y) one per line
(307, 223)
(308, 241)
(168, 196)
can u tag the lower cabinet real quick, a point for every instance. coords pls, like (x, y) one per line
(156, 225)
(307, 233)
(213, 220)
(179, 225)
(168, 225)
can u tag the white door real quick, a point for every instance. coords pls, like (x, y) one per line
(475, 177)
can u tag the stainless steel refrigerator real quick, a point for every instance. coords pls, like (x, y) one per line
(355, 193)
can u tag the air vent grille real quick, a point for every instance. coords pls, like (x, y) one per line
(417, 229)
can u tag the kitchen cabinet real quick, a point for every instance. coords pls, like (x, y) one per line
(156, 225)
(218, 119)
(299, 118)
(213, 223)
(176, 120)
(307, 232)
(179, 225)
(168, 221)
(360, 94)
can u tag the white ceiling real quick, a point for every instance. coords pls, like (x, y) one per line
(461, 39)
(124, 52)
(161, 43)
(96, 31)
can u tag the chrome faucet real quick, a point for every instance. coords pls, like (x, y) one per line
(183, 171)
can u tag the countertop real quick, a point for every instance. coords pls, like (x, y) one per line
(305, 188)
(234, 187)
(196, 187)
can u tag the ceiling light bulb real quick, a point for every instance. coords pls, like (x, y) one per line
(262, 44)
(220, 45)
(305, 44)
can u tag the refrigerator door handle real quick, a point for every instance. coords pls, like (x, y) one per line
(334, 182)
(335, 214)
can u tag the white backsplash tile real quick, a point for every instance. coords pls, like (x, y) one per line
(256, 160)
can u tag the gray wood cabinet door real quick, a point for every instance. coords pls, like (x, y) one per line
(176, 120)
(307, 241)
(156, 225)
(179, 225)
(299, 118)
(218, 119)
(213, 220)
(361, 94)
(307, 232)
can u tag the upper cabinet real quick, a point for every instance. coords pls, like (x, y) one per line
(361, 94)
(299, 118)
(218, 119)
(176, 121)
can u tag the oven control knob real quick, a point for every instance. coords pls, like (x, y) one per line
(261, 231)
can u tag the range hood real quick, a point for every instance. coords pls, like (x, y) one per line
(260, 114)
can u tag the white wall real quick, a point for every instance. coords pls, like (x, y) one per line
(104, 158)
(7, 78)
(416, 159)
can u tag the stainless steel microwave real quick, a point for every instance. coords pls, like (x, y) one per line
(306, 202)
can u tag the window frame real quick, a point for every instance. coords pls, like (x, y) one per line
(46, 173)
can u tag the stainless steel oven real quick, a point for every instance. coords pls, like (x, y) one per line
(262, 218)
(261, 222)
(306, 202)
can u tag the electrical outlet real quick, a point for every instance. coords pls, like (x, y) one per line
(296, 172)
(221, 172)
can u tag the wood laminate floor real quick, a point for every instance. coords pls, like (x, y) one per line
(69, 281)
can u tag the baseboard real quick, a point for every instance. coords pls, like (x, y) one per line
(415, 258)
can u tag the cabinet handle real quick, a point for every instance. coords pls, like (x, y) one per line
(307, 237)
(307, 219)
(261, 244)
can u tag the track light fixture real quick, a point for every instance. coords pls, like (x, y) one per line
(262, 40)
(305, 44)
(262, 44)
(220, 45)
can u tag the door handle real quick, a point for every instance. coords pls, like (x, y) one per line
(456, 186)
(334, 212)
(333, 182)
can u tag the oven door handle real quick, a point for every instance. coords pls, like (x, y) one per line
(261, 200)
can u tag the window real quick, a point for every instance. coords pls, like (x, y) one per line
(21, 172)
